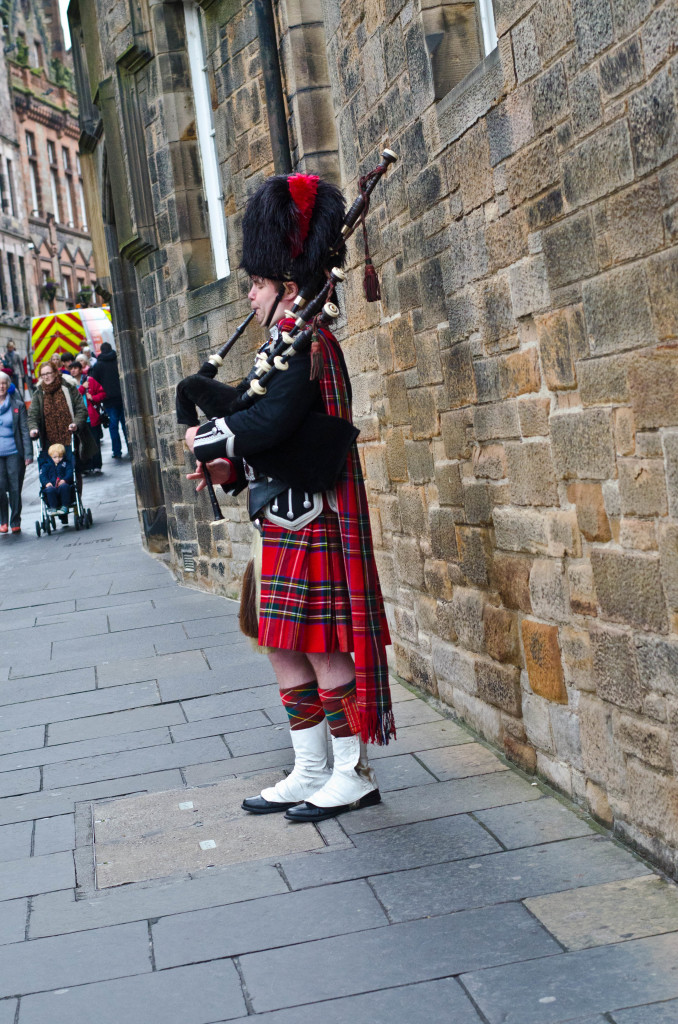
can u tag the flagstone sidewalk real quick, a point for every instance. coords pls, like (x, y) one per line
(133, 719)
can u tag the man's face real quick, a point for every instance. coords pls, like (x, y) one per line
(4, 386)
(262, 296)
(10, 346)
(75, 370)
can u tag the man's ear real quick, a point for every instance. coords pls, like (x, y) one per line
(291, 291)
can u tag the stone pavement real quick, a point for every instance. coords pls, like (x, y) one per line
(133, 717)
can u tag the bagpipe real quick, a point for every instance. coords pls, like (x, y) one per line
(312, 458)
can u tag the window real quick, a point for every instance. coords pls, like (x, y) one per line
(10, 189)
(459, 34)
(3, 289)
(51, 152)
(66, 157)
(37, 54)
(13, 283)
(35, 187)
(30, 143)
(68, 289)
(83, 208)
(24, 285)
(56, 206)
(206, 139)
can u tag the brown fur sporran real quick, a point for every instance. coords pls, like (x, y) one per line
(249, 617)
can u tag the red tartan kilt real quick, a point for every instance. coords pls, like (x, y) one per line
(305, 603)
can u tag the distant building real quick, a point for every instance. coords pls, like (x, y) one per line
(516, 388)
(55, 269)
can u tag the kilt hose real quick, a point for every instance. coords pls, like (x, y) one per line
(305, 602)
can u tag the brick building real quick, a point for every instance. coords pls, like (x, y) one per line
(47, 170)
(517, 386)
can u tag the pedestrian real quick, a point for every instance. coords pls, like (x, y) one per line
(92, 395)
(16, 452)
(57, 411)
(13, 366)
(319, 598)
(66, 358)
(105, 371)
(56, 477)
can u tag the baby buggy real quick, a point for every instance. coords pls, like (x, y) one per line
(82, 517)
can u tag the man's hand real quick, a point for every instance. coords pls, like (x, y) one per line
(72, 427)
(34, 433)
(28, 461)
(221, 472)
(189, 437)
(47, 486)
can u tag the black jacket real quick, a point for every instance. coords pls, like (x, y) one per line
(105, 371)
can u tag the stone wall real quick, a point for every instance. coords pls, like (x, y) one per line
(517, 386)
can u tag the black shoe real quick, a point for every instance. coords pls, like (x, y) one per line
(257, 805)
(309, 812)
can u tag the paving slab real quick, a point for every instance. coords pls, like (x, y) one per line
(393, 849)
(8, 1010)
(393, 956)
(230, 703)
(66, 960)
(218, 726)
(545, 820)
(442, 888)
(246, 672)
(258, 741)
(53, 835)
(266, 923)
(161, 586)
(185, 995)
(415, 712)
(136, 670)
(32, 875)
(22, 739)
(412, 738)
(59, 913)
(84, 705)
(428, 1002)
(75, 629)
(114, 724)
(402, 772)
(558, 988)
(58, 753)
(15, 840)
(462, 761)
(612, 912)
(134, 762)
(657, 1013)
(250, 764)
(213, 626)
(426, 802)
(13, 915)
(16, 783)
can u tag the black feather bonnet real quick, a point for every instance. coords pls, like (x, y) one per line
(291, 224)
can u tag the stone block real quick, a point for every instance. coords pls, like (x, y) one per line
(565, 730)
(419, 461)
(575, 646)
(622, 68)
(653, 383)
(511, 577)
(457, 433)
(489, 462)
(475, 554)
(437, 579)
(458, 374)
(617, 308)
(507, 239)
(529, 286)
(477, 503)
(563, 534)
(522, 754)
(604, 380)
(593, 29)
(492, 422)
(443, 536)
(549, 98)
(658, 664)
(448, 482)
(649, 743)
(653, 123)
(615, 670)
(598, 803)
(583, 599)
(412, 510)
(624, 431)
(532, 170)
(654, 801)
(591, 515)
(423, 413)
(599, 165)
(496, 310)
(396, 392)
(499, 685)
(473, 163)
(583, 444)
(629, 589)
(519, 373)
(501, 635)
(662, 277)
(569, 250)
(660, 35)
(530, 472)
(634, 224)
(603, 760)
(543, 660)
(642, 487)
(548, 590)
(520, 530)
(534, 416)
(453, 668)
(668, 553)
(587, 108)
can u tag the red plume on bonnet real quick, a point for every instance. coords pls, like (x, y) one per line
(303, 189)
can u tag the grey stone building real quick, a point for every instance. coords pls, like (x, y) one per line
(516, 387)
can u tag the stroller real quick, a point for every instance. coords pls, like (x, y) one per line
(82, 517)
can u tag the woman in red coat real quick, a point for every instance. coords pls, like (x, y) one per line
(92, 395)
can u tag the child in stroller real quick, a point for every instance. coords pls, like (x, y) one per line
(56, 471)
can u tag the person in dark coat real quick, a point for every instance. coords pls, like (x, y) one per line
(16, 452)
(105, 371)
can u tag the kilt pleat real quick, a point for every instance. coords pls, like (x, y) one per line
(305, 603)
